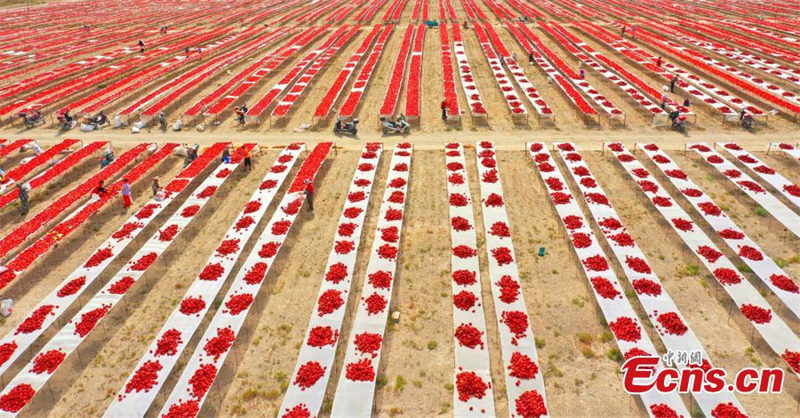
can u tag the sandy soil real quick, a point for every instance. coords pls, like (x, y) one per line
(578, 375)
(111, 354)
(700, 299)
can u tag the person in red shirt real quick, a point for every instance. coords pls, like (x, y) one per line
(248, 162)
(100, 190)
(444, 109)
(309, 192)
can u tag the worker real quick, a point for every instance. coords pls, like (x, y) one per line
(100, 190)
(191, 155)
(37, 149)
(309, 192)
(155, 186)
(248, 162)
(141, 45)
(672, 83)
(126, 193)
(445, 105)
(24, 190)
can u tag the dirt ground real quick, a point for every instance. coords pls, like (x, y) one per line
(415, 379)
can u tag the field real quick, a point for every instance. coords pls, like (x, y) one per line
(503, 260)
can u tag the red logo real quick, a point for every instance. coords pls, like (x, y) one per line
(644, 374)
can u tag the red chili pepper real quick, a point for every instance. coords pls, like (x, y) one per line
(121, 286)
(17, 398)
(252, 206)
(573, 222)
(522, 367)
(596, 263)
(530, 405)
(793, 359)
(458, 199)
(464, 300)
(7, 350)
(469, 336)
(662, 201)
(352, 212)
(192, 305)
(168, 233)
(464, 277)
(219, 344)
(189, 408)
(626, 329)
(368, 343)
(727, 276)
(90, 319)
(581, 240)
(98, 257)
(48, 361)
(126, 230)
(145, 377)
(268, 184)
(144, 262)
(321, 336)
(784, 283)
(727, 410)
(502, 255)
(638, 265)
(190, 211)
(360, 371)
(682, 224)
(329, 301)
(494, 200)
(375, 304)
(202, 379)
(672, 323)
(344, 247)
(597, 198)
(756, 314)
(470, 385)
(238, 303)
(463, 251)
(72, 287)
(167, 345)
(256, 274)
(604, 287)
(500, 229)
(647, 287)
(308, 374)
(269, 249)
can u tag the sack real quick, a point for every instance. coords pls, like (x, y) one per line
(6, 307)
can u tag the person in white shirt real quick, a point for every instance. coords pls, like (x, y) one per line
(126, 193)
(37, 148)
